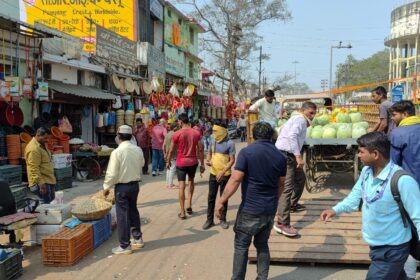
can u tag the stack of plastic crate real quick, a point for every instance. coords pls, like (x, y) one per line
(68, 246)
(12, 174)
(64, 178)
(11, 267)
(102, 230)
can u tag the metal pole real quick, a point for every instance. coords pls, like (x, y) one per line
(331, 56)
(259, 72)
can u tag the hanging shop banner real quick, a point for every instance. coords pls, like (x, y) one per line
(397, 93)
(174, 61)
(112, 46)
(156, 9)
(78, 17)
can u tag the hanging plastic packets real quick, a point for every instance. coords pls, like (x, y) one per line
(130, 106)
(4, 91)
(111, 118)
(14, 85)
(174, 90)
(106, 119)
(27, 87)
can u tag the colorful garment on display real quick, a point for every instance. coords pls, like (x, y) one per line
(169, 100)
(176, 103)
(105, 117)
(162, 100)
(154, 100)
(187, 102)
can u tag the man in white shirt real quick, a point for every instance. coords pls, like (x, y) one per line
(266, 108)
(290, 142)
(123, 175)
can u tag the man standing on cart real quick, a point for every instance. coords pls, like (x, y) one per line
(385, 123)
(290, 142)
(266, 108)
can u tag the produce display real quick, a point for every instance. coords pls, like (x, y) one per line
(341, 123)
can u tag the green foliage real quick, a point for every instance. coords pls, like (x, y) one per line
(355, 72)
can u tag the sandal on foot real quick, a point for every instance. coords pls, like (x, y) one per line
(181, 217)
(189, 211)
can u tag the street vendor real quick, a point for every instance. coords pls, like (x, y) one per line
(290, 143)
(40, 169)
(266, 108)
(123, 175)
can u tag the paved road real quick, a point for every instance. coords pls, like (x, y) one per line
(175, 249)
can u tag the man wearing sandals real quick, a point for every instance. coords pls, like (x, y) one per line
(190, 149)
(221, 157)
(123, 174)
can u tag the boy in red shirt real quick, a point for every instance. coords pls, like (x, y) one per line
(190, 150)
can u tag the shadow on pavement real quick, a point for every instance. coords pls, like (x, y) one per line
(195, 236)
(158, 202)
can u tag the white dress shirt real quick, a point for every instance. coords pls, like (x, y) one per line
(124, 165)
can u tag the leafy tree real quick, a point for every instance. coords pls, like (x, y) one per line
(231, 31)
(284, 86)
(356, 72)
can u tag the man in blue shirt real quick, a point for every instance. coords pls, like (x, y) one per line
(382, 225)
(261, 169)
(405, 151)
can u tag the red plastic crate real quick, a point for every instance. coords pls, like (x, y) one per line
(68, 246)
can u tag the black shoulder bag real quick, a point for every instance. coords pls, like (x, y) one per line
(414, 243)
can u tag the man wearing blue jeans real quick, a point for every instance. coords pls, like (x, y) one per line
(40, 169)
(382, 224)
(261, 169)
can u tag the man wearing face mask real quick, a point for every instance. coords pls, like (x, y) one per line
(266, 108)
(221, 157)
(290, 142)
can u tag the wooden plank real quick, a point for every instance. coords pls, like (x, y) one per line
(311, 239)
(319, 211)
(306, 218)
(319, 248)
(315, 257)
(326, 232)
(329, 225)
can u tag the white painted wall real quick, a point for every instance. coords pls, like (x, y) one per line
(65, 74)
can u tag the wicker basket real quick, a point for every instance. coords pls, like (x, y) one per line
(100, 195)
(91, 209)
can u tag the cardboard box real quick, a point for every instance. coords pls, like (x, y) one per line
(61, 160)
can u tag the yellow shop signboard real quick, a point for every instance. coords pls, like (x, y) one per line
(78, 17)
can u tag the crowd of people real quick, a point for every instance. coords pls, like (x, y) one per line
(270, 174)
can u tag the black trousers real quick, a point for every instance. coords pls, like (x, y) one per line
(127, 213)
(146, 154)
(213, 188)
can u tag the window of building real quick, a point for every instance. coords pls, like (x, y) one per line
(191, 70)
(191, 36)
(180, 21)
(169, 13)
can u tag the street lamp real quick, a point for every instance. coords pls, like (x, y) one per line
(339, 46)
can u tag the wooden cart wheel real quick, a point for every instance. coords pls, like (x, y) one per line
(356, 165)
(310, 183)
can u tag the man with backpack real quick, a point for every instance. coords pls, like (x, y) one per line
(381, 184)
(405, 151)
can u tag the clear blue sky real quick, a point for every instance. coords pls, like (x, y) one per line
(315, 27)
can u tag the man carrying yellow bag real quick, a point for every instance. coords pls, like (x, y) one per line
(221, 157)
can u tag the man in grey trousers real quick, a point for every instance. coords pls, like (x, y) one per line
(290, 142)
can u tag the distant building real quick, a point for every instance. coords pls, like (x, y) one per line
(403, 42)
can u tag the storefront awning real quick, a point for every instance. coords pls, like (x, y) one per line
(80, 91)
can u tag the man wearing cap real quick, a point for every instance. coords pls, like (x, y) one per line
(123, 175)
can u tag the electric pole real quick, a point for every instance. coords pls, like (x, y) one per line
(324, 84)
(339, 46)
(295, 63)
(259, 72)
